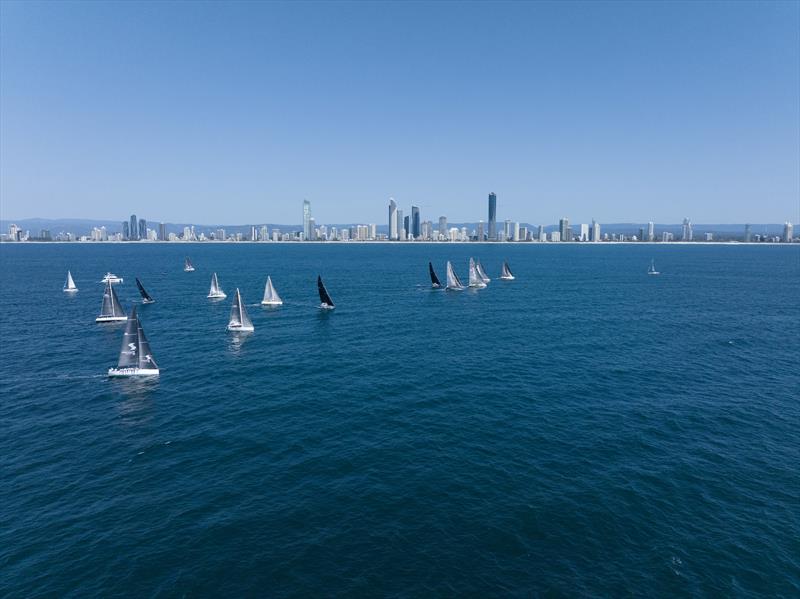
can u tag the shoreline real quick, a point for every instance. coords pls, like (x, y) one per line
(412, 243)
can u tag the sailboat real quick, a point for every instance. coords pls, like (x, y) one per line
(475, 279)
(435, 282)
(505, 273)
(187, 265)
(652, 270)
(326, 303)
(135, 358)
(271, 297)
(111, 311)
(481, 273)
(146, 299)
(69, 286)
(240, 321)
(453, 282)
(216, 291)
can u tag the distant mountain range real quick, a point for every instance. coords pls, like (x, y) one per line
(80, 226)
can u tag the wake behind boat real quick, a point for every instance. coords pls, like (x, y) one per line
(239, 321)
(69, 285)
(146, 299)
(326, 303)
(187, 265)
(453, 282)
(271, 297)
(505, 273)
(435, 282)
(216, 292)
(135, 358)
(475, 280)
(111, 310)
(111, 278)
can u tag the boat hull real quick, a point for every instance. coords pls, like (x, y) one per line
(508, 278)
(271, 303)
(324, 306)
(216, 296)
(122, 372)
(233, 328)
(71, 290)
(111, 319)
(188, 270)
(152, 301)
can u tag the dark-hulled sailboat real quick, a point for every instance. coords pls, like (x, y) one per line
(435, 282)
(111, 310)
(146, 299)
(135, 358)
(326, 303)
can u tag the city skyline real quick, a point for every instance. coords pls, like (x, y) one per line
(615, 112)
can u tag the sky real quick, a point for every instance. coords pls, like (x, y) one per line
(233, 113)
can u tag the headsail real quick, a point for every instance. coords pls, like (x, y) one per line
(453, 282)
(69, 285)
(215, 290)
(481, 273)
(324, 298)
(145, 296)
(271, 297)
(435, 282)
(505, 273)
(239, 320)
(111, 309)
(474, 278)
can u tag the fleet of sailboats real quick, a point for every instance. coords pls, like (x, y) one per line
(216, 291)
(453, 282)
(435, 282)
(326, 303)
(135, 357)
(69, 285)
(271, 297)
(146, 299)
(187, 265)
(239, 321)
(505, 273)
(475, 279)
(111, 310)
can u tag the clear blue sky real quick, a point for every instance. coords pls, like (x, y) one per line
(233, 113)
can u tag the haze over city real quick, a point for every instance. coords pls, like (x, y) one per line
(234, 113)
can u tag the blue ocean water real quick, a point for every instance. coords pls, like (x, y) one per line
(585, 430)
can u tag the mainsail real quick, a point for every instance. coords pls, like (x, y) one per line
(475, 279)
(187, 265)
(271, 297)
(135, 351)
(111, 309)
(481, 273)
(505, 273)
(324, 298)
(453, 282)
(435, 282)
(215, 290)
(145, 296)
(70, 284)
(239, 320)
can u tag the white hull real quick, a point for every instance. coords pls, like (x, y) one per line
(654, 272)
(478, 285)
(108, 279)
(325, 306)
(237, 328)
(508, 278)
(189, 269)
(111, 319)
(73, 290)
(272, 303)
(219, 295)
(133, 372)
(148, 301)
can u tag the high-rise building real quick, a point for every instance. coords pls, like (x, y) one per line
(563, 226)
(788, 232)
(312, 230)
(651, 231)
(584, 233)
(641, 234)
(516, 231)
(595, 231)
(400, 224)
(507, 230)
(126, 232)
(748, 236)
(541, 235)
(392, 219)
(142, 228)
(133, 234)
(443, 226)
(306, 219)
(492, 217)
(162, 232)
(687, 230)
(415, 229)
(407, 226)
(555, 236)
(481, 233)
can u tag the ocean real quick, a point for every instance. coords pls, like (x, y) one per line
(584, 430)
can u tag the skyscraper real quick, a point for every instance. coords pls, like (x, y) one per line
(584, 235)
(443, 226)
(415, 231)
(748, 236)
(651, 231)
(594, 232)
(687, 230)
(162, 232)
(392, 219)
(542, 236)
(507, 230)
(492, 217)
(306, 219)
(481, 232)
(133, 231)
(126, 232)
(563, 229)
(407, 225)
(788, 232)
(142, 228)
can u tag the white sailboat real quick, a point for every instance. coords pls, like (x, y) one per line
(239, 322)
(135, 358)
(652, 270)
(69, 286)
(111, 310)
(453, 282)
(481, 273)
(187, 265)
(216, 291)
(271, 297)
(505, 273)
(475, 279)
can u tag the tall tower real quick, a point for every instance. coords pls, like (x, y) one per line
(415, 232)
(788, 232)
(687, 230)
(748, 237)
(563, 228)
(492, 217)
(133, 234)
(306, 220)
(142, 228)
(392, 219)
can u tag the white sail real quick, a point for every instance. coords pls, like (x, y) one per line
(215, 290)
(111, 309)
(135, 357)
(475, 279)
(271, 297)
(239, 320)
(187, 265)
(70, 284)
(652, 270)
(453, 282)
(505, 273)
(482, 273)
